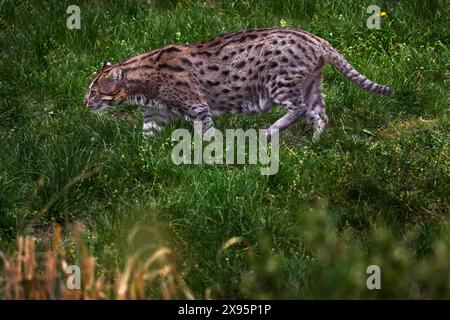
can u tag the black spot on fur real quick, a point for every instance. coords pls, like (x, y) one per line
(167, 50)
(186, 61)
(214, 44)
(182, 83)
(273, 64)
(213, 68)
(171, 49)
(213, 83)
(204, 53)
(172, 68)
(240, 65)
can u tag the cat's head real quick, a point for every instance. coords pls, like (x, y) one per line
(107, 88)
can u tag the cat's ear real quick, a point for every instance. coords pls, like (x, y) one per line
(105, 63)
(116, 74)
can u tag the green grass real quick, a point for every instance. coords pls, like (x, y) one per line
(373, 190)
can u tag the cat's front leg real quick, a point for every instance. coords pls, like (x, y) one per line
(154, 121)
(150, 129)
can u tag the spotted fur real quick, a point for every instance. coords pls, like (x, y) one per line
(243, 72)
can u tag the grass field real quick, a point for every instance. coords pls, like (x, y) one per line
(374, 190)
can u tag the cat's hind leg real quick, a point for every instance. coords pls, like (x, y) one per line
(315, 114)
(295, 109)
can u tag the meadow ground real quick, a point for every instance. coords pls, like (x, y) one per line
(374, 190)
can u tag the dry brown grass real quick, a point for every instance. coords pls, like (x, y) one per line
(25, 276)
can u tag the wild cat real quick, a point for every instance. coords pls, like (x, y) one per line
(242, 72)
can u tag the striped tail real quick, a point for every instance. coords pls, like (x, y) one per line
(335, 58)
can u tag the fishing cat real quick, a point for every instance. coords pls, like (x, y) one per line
(242, 72)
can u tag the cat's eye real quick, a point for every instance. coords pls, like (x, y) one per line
(92, 94)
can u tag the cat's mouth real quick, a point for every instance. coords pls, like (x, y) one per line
(97, 107)
(100, 107)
